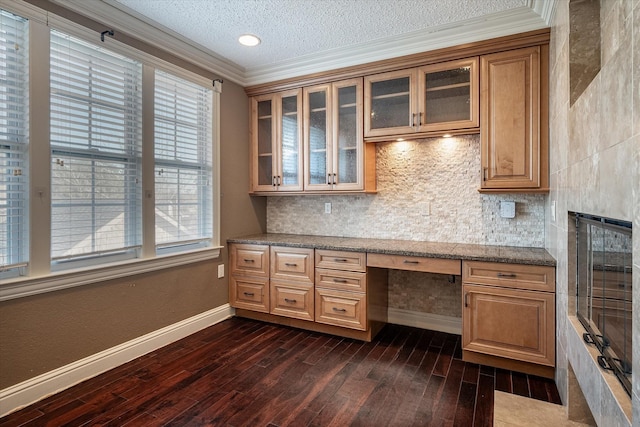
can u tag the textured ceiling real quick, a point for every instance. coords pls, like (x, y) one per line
(291, 29)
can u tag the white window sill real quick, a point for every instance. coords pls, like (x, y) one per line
(27, 286)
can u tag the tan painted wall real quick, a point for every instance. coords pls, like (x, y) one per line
(47, 331)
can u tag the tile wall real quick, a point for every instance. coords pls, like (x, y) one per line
(595, 168)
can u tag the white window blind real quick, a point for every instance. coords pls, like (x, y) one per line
(14, 190)
(183, 162)
(96, 109)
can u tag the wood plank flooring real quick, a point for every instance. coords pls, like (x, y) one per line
(246, 373)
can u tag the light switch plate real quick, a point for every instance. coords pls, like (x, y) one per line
(507, 209)
(220, 271)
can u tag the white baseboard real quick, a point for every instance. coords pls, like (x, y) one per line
(435, 322)
(34, 389)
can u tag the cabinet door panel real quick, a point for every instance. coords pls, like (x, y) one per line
(292, 264)
(347, 150)
(317, 134)
(249, 260)
(449, 95)
(510, 106)
(263, 138)
(250, 293)
(292, 300)
(389, 107)
(510, 323)
(346, 309)
(290, 139)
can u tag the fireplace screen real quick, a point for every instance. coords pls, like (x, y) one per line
(604, 265)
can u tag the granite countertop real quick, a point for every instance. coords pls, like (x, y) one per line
(469, 252)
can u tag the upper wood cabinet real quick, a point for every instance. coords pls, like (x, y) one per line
(432, 98)
(513, 130)
(334, 149)
(276, 142)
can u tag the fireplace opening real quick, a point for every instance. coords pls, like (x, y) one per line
(604, 293)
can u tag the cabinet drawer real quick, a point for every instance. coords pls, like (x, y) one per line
(346, 309)
(509, 323)
(341, 280)
(250, 293)
(249, 259)
(341, 260)
(292, 264)
(412, 263)
(533, 277)
(292, 300)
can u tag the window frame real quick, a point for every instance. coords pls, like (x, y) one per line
(40, 277)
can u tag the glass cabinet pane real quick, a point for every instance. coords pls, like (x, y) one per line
(290, 143)
(347, 136)
(265, 142)
(448, 95)
(318, 137)
(390, 103)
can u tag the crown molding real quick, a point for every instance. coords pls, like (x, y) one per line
(536, 15)
(121, 18)
(500, 24)
(545, 8)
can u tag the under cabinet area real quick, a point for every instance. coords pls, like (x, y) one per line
(434, 97)
(508, 317)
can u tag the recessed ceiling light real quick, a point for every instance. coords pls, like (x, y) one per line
(249, 40)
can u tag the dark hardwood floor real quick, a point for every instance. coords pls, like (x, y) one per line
(246, 373)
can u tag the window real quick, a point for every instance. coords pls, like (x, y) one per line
(96, 141)
(78, 174)
(14, 236)
(183, 163)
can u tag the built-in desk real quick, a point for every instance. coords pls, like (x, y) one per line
(508, 293)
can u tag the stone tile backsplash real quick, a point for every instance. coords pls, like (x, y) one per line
(427, 190)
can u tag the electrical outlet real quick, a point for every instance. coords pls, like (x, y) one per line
(220, 271)
(327, 208)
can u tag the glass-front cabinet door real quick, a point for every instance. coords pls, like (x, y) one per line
(448, 95)
(333, 136)
(390, 107)
(348, 162)
(276, 142)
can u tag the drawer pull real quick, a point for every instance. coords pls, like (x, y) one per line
(340, 260)
(407, 261)
(249, 294)
(290, 264)
(339, 310)
(249, 260)
(340, 280)
(507, 275)
(290, 301)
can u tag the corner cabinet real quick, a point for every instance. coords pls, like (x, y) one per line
(335, 155)
(514, 126)
(276, 142)
(439, 97)
(508, 316)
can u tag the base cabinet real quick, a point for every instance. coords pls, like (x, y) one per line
(508, 321)
(325, 291)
